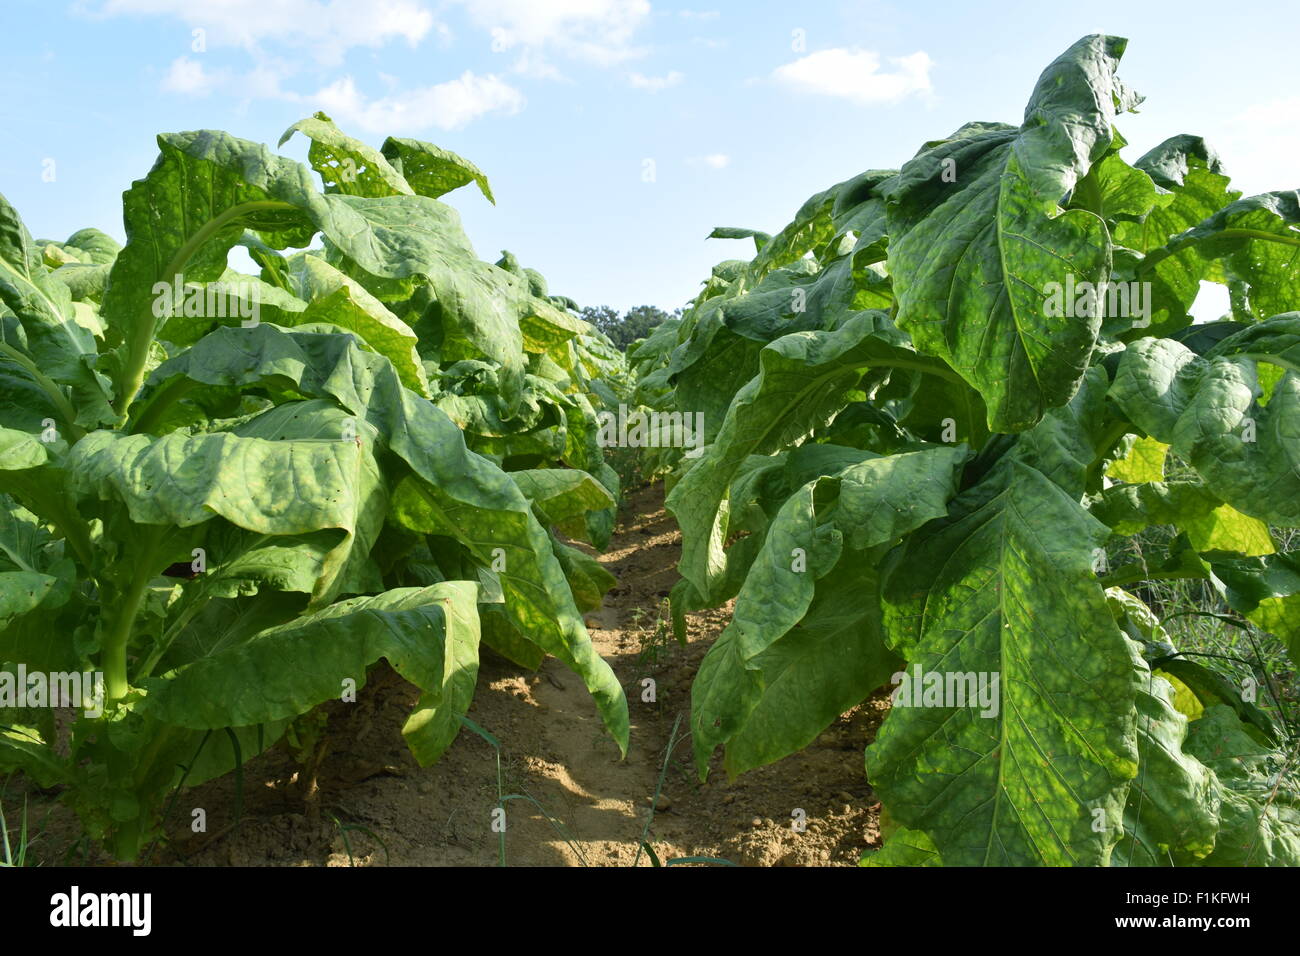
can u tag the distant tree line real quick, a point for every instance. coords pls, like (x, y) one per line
(635, 323)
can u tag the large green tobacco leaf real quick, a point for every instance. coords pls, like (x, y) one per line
(273, 487)
(436, 721)
(1210, 689)
(504, 638)
(20, 451)
(827, 663)
(287, 486)
(342, 301)
(1210, 524)
(804, 380)
(346, 566)
(1260, 808)
(775, 596)
(207, 187)
(413, 238)
(1258, 239)
(182, 219)
(234, 296)
(97, 247)
(429, 636)
(1004, 586)
(904, 848)
(561, 494)
(24, 403)
(243, 563)
(587, 577)
(728, 333)
(22, 748)
(884, 498)
(1070, 437)
(21, 592)
(461, 494)
(210, 625)
(799, 651)
(31, 472)
(33, 573)
(1127, 193)
(735, 232)
(1276, 340)
(1128, 509)
(1207, 410)
(977, 234)
(347, 165)
(1266, 589)
(1171, 815)
(56, 349)
(1193, 187)
(824, 219)
(1142, 460)
(548, 328)
(432, 171)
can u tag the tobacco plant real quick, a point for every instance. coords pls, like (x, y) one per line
(935, 402)
(230, 494)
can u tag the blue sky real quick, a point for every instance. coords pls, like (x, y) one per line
(740, 109)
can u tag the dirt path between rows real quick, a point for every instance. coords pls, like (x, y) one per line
(378, 807)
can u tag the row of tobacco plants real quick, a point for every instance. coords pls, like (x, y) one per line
(223, 496)
(935, 403)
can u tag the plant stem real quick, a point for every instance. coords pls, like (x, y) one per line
(50, 388)
(115, 644)
(1258, 234)
(139, 574)
(1115, 431)
(1176, 246)
(164, 642)
(141, 335)
(1132, 573)
(927, 368)
(158, 403)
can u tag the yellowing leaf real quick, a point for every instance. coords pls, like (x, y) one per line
(1144, 462)
(1227, 529)
(1185, 702)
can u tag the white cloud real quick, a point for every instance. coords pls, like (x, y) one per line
(326, 28)
(532, 64)
(655, 83)
(856, 75)
(598, 31)
(447, 106)
(285, 37)
(329, 28)
(187, 76)
(712, 160)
